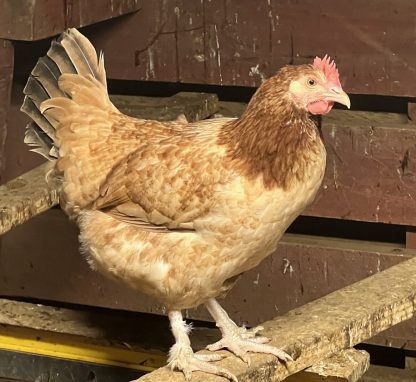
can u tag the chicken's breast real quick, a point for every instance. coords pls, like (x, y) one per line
(180, 222)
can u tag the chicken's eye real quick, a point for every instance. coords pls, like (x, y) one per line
(311, 82)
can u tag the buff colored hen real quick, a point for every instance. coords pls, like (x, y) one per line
(178, 210)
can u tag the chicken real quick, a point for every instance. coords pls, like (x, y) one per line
(179, 210)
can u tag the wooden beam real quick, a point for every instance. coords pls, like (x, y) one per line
(194, 106)
(346, 366)
(26, 196)
(302, 269)
(29, 194)
(37, 19)
(411, 237)
(322, 328)
(6, 80)
(105, 337)
(370, 174)
(388, 374)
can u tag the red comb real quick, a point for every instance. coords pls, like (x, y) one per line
(329, 68)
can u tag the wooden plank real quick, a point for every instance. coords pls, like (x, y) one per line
(37, 19)
(370, 174)
(6, 80)
(302, 269)
(346, 366)
(25, 197)
(411, 111)
(239, 43)
(29, 195)
(116, 329)
(411, 237)
(194, 106)
(321, 328)
(388, 374)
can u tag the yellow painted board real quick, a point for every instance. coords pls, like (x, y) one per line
(77, 348)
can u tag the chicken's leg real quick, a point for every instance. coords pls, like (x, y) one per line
(181, 356)
(238, 340)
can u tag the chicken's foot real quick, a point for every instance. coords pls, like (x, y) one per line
(239, 340)
(182, 357)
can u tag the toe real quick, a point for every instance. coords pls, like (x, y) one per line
(210, 357)
(260, 340)
(216, 346)
(198, 365)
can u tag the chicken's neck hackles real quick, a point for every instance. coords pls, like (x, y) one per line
(273, 138)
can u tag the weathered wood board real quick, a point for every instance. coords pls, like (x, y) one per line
(25, 197)
(302, 269)
(193, 106)
(323, 327)
(239, 42)
(6, 78)
(147, 337)
(37, 19)
(370, 174)
(346, 366)
(388, 374)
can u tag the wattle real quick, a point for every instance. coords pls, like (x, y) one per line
(320, 107)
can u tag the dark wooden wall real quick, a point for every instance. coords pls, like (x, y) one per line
(30, 20)
(239, 42)
(371, 173)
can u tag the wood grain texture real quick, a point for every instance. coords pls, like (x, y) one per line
(302, 269)
(237, 42)
(388, 374)
(30, 20)
(25, 197)
(6, 79)
(118, 329)
(346, 366)
(370, 173)
(194, 106)
(322, 328)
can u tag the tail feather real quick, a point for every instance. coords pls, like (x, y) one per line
(73, 118)
(47, 73)
(72, 54)
(42, 143)
(60, 56)
(30, 108)
(84, 56)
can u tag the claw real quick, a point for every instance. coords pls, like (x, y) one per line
(186, 361)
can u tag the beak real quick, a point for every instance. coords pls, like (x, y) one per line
(336, 94)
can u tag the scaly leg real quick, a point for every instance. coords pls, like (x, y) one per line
(181, 356)
(240, 340)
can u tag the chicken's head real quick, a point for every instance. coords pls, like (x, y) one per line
(317, 87)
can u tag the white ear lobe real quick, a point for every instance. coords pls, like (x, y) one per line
(295, 90)
(295, 87)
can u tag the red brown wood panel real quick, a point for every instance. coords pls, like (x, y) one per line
(244, 41)
(40, 260)
(371, 174)
(190, 40)
(6, 79)
(36, 19)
